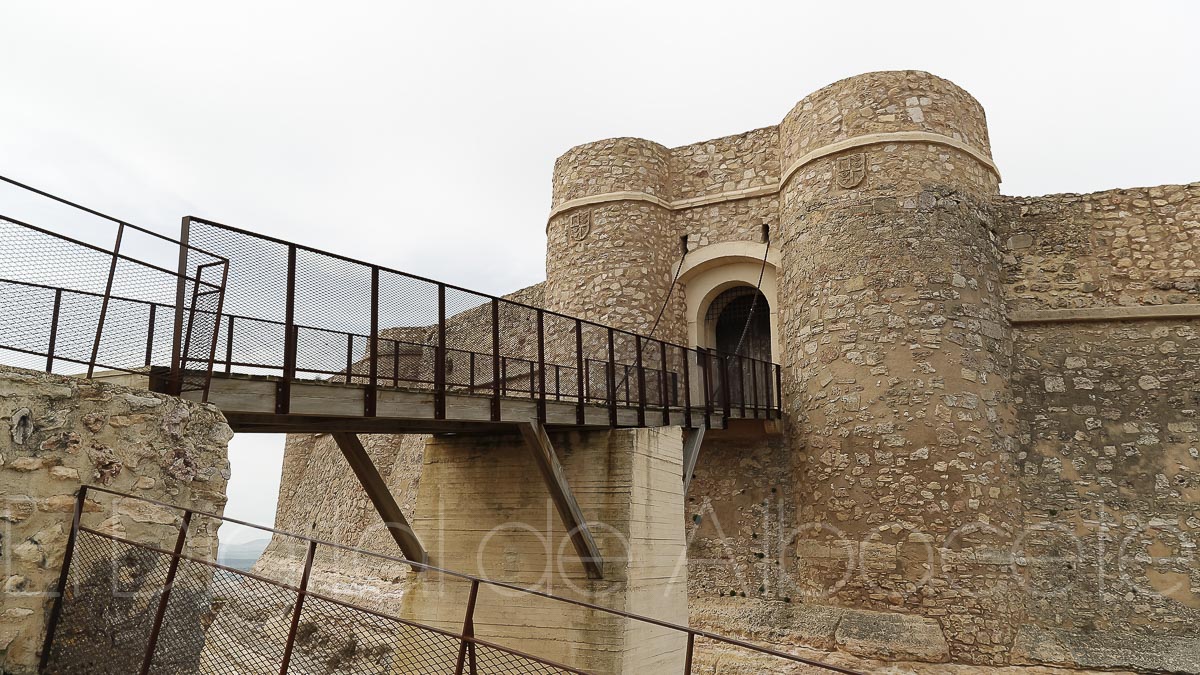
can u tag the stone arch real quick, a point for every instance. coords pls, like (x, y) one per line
(711, 270)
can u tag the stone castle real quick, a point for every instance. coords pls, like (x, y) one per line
(990, 450)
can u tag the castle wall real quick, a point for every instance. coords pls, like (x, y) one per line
(1128, 247)
(974, 383)
(1110, 483)
(57, 433)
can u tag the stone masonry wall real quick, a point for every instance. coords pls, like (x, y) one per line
(1110, 482)
(1136, 246)
(57, 433)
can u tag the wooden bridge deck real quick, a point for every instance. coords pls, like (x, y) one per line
(322, 406)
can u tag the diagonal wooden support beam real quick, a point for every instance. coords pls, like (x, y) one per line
(377, 491)
(564, 500)
(691, 452)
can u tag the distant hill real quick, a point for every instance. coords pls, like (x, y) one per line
(243, 555)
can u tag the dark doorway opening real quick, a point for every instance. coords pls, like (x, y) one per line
(741, 320)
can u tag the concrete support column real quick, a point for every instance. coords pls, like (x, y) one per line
(484, 509)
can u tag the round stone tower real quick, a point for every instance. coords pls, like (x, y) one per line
(611, 248)
(897, 356)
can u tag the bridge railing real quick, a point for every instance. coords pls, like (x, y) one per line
(79, 308)
(298, 312)
(129, 605)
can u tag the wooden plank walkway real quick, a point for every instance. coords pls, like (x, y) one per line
(322, 406)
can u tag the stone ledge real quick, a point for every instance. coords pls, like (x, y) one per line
(1138, 313)
(1106, 650)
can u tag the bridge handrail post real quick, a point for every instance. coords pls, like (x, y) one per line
(778, 390)
(302, 593)
(63, 577)
(687, 387)
(612, 379)
(541, 367)
(229, 346)
(706, 371)
(641, 381)
(291, 339)
(580, 409)
(726, 405)
(662, 382)
(371, 396)
(495, 360)
(165, 596)
(439, 366)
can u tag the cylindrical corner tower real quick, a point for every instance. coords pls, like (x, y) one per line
(610, 247)
(897, 356)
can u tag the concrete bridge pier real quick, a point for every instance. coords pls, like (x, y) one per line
(484, 509)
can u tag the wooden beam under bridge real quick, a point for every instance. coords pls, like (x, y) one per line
(372, 483)
(563, 498)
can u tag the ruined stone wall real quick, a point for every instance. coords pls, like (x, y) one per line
(57, 433)
(1128, 247)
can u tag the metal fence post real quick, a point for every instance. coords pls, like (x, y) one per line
(541, 354)
(229, 346)
(662, 385)
(371, 396)
(641, 381)
(291, 638)
(54, 330)
(175, 382)
(150, 334)
(291, 338)
(725, 391)
(63, 576)
(495, 360)
(112, 273)
(612, 380)
(439, 367)
(687, 387)
(706, 371)
(687, 663)
(165, 597)
(778, 390)
(754, 385)
(468, 631)
(580, 409)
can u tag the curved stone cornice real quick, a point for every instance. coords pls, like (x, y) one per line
(889, 137)
(773, 188)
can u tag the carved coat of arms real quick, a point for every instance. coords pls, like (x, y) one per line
(579, 225)
(849, 171)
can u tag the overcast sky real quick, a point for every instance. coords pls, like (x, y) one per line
(422, 135)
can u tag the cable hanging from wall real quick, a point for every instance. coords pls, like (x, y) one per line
(737, 351)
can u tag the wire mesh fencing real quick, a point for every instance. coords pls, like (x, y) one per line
(160, 602)
(138, 301)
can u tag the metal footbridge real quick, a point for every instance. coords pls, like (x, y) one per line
(285, 338)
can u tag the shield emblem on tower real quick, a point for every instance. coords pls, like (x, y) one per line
(579, 225)
(850, 170)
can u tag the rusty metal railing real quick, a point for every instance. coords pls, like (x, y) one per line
(79, 308)
(296, 311)
(245, 303)
(132, 606)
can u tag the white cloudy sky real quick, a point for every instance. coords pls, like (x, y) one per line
(421, 135)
